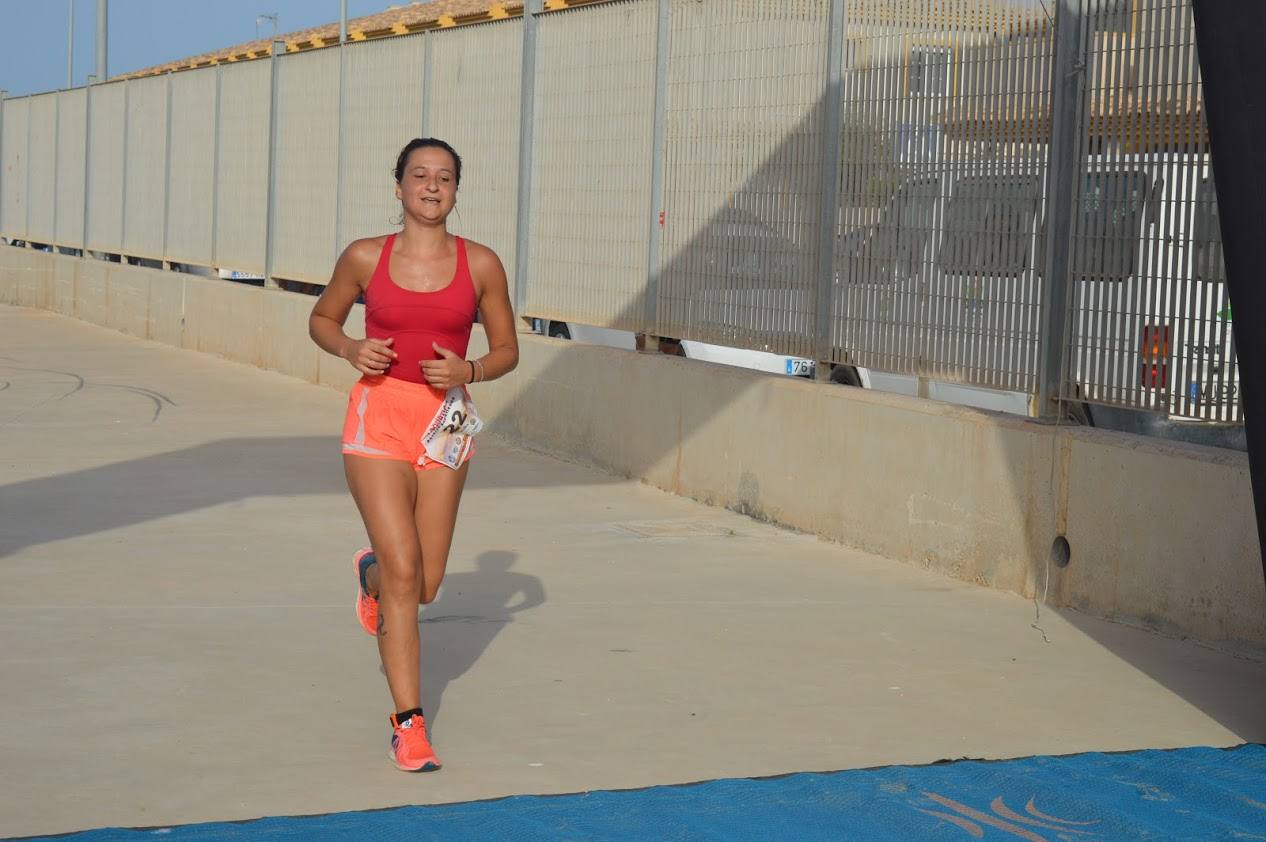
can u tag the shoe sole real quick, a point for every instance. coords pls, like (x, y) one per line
(425, 767)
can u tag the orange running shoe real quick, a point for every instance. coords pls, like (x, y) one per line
(366, 605)
(410, 749)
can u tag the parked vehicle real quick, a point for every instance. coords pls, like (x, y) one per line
(950, 269)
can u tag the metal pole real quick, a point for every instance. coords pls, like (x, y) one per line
(70, 45)
(167, 176)
(340, 142)
(83, 238)
(26, 198)
(527, 100)
(342, 25)
(3, 96)
(215, 171)
(650, 318)
(127, 125)
(428, 52)
(1063, 168)
(103, 14)
(57, 170)
(830, 175)
(279, 47)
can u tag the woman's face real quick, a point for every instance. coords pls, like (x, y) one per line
(429, 186)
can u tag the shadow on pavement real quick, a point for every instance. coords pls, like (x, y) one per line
(93, 500)
(472, 609)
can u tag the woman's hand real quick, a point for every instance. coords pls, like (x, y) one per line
(448, 371)
(370, 356)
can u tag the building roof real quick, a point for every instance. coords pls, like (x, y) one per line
(398, 20)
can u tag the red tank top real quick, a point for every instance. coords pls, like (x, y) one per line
(416, 319)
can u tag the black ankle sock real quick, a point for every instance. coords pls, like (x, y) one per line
(408, 714)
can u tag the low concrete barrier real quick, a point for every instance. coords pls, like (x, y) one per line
(1161, 534)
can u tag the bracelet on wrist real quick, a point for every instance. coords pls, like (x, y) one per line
(472, 371)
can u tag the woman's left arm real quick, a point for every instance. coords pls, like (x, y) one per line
(495, 314)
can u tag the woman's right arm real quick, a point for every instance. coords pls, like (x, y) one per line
(329, 314)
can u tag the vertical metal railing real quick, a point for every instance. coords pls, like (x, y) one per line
(655, 218)
(167, 173)
(87, 195)
(527, 99)
(127, 89)
(830, 164)
(270, 245)
(4, 95)
(214, 234)
(1062, 179)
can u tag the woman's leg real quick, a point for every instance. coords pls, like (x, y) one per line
(439, 491)
(386, 493)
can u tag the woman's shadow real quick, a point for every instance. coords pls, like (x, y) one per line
(471, 610)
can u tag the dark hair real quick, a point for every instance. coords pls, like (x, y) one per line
(423, 143)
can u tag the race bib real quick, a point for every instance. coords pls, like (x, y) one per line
(449, 436)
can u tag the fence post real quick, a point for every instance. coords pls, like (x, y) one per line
(1062, 182)
(338, 145)
(270, 223)
(655, 219)
(829, 174)
(127, 124)
(26, 198)
(215, 171)
(83, 239)
(527, 103)
(167, 175)
(428, 51)
(54, 245)
(4, 94)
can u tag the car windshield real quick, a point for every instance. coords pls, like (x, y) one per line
(989, 225)
(1107, 232)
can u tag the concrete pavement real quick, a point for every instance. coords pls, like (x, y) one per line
(175, 603)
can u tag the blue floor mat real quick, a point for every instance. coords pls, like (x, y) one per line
(1193, 793)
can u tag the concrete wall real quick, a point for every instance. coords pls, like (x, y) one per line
(1161, 534)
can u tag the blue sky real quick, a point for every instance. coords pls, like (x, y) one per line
(142, 33)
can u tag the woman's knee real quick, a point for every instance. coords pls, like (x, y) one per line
(399, 575)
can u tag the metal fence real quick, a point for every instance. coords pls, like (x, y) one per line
(1004, 193)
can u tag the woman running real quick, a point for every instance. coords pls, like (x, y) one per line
(407, 437)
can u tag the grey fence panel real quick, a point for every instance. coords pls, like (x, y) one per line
(944, 149)
(742, 174)
(105, 167)
(72, 123)
(191, 188)
(146, 168)
(592, 158)
(474, 105)
(938, 247)
(41, 185)
(382, 111)
(1150, 318)
(306, 177)
(13, 177)
(241, 212)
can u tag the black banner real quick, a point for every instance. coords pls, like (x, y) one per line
(1231, 41)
